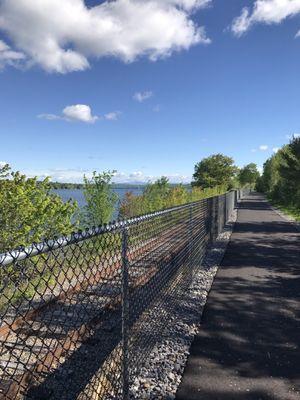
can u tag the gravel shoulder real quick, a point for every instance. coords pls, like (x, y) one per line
(159, 379)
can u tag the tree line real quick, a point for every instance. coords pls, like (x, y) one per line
(280, 179)
(30, 211)
(80, 186)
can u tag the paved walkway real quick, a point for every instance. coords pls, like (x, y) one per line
(248, 347)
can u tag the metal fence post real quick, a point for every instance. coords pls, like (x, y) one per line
(211, 219)
(125, 309)
(191, 239)
(218, 216)
(225, 211)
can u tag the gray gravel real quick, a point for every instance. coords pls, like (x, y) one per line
(160, 377)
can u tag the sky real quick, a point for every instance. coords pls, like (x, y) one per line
(145, 87)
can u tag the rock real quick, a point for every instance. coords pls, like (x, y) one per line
(160, 377)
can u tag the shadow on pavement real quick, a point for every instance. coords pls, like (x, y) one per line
(248, 347)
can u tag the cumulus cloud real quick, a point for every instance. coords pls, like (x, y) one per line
(189, 5)
(142, 96)
(275, 149)
(265, 12)
(76, 176)
(79, 113)
(8, 56)
(263, 147)
(63, 35)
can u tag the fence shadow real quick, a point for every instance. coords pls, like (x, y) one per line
(72, 377)
(250, 337)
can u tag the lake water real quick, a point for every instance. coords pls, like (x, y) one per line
(77, 194)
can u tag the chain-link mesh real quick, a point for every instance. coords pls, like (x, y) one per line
(79, 315)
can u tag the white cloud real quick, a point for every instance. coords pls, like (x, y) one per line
(265, 12)
(275, 149)
(263, 147)
(112, 116)
(80, 113)
(242, 23)
(8, 56)
(74, 175)
(189, 4)
(60, 174)
(63, 35)
(137, 174)
(142, 96)
(50, 117)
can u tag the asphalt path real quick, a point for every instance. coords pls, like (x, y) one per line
(248, 345)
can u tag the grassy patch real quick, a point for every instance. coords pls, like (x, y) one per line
(292, 211)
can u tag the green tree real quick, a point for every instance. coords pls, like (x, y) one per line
(290, 163)
(100, 199)
(248, 175)
(4, 171)
(156, 194)
(161, 195)
(29, 212)
(281, 177)
(216, 170)
(270, 176)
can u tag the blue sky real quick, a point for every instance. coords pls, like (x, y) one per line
(232, 89)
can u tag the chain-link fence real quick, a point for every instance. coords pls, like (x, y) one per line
(79, 315)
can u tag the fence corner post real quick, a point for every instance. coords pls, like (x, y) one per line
(125, 316)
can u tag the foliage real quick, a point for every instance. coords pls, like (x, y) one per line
(29, 212)
(100, 199)
(281, 176)
(161, 195)
(59, 185)
(289, 168)
(248, 175)
(216, 170)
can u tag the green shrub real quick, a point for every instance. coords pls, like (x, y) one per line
(29, 212)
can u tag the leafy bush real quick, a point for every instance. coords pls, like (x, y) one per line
(160, 195)
(29, 212)
(100, 199)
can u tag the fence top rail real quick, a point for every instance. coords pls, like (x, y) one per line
(47, 245)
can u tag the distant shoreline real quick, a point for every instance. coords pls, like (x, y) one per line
(80, 186)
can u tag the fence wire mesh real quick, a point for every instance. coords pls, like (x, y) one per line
(80, 315)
